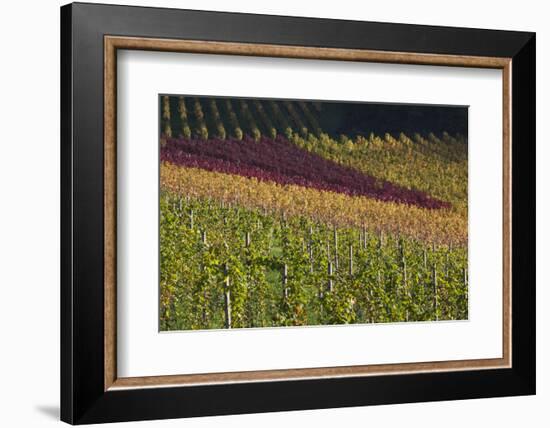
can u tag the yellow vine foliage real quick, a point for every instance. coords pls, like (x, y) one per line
(430, 165)
(438, 226)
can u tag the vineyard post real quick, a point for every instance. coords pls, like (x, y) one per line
(466, 282)
(191, 219)
(330, 284)
(310, 248)
(447, 264)
(204, 309)
(425, 259)
(404, 264)
(227, 297)
(435, 291)
(405, 282)
(247, 239)
(310, 257)
(205, 294)
(335, 248)
(381, 283)
(350, 259)
(285, 281)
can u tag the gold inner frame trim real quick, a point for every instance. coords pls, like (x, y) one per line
(113, 43)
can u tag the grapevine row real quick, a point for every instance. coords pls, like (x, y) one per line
(250, 121)
(266, 270)
(271, 131)
(234, 121)
(199, 117)
(442, 226)
(182, 110)
(220, 129)
(280, 161)
(295, 115)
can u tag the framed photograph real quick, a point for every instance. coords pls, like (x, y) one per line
(265, 213)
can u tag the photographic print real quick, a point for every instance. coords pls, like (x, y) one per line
(281, 212)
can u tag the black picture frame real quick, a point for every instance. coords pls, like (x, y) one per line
(83, 398)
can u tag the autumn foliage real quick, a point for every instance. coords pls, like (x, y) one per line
(267, 220)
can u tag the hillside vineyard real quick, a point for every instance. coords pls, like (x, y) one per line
(295, 213)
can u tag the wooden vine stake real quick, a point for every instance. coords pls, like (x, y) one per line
(285, 281)
(447, 265)
(405, 282)
(310, 249)
(227, 297)
(330, 283)
(310, 257)
(335, 248)
(380, 242)
(466, 282)
(350, 260)
(404, 265)
(435, 292)
(425, 259)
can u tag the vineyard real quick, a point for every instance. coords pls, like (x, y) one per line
(269, 219)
